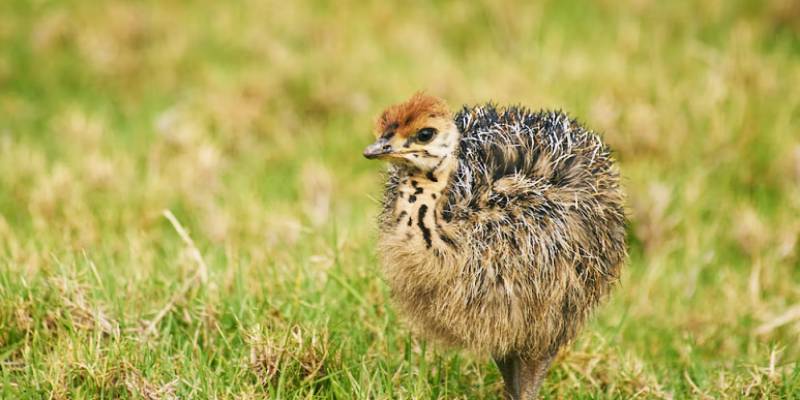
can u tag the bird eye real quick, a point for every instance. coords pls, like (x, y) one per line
(425, 135)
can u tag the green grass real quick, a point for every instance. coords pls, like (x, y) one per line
(246, 120)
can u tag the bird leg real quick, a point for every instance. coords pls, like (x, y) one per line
(523, 376)
(509, 368)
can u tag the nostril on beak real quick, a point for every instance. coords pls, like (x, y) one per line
(373, 151)
(377, 149)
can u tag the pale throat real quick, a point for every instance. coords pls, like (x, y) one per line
(417, 209)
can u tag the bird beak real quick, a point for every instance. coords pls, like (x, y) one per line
(380, 148)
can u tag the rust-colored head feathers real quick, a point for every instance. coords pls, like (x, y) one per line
(404, 119)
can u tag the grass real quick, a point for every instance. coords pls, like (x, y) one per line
(245, 120)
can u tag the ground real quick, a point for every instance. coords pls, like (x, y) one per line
(185, 212)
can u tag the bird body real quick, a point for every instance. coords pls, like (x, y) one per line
(500, 233)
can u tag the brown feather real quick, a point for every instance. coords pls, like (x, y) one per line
(406, 118)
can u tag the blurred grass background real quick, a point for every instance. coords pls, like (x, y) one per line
(247, 119)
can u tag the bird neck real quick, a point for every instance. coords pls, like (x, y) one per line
(427, 187)
(419, 202)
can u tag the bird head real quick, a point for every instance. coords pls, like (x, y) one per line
(418, 133)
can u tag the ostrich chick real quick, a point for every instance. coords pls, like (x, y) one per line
(501, 229)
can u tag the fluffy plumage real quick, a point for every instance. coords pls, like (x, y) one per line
(507, 248)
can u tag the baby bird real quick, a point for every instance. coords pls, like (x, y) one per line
(501, 229)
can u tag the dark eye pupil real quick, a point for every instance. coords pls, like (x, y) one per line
(426, 134)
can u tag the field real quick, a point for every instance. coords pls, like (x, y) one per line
(185, 211)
